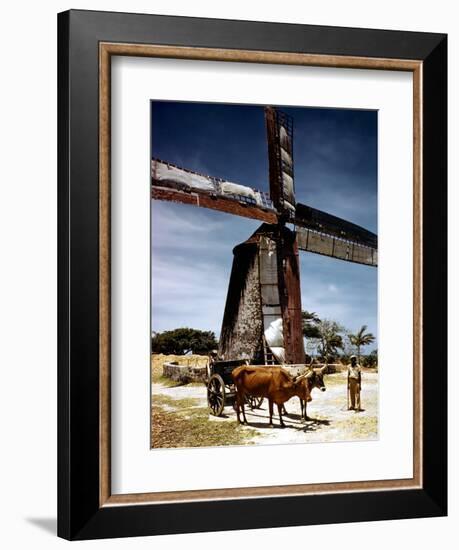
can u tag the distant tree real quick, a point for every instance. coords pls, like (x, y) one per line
(311, 324)
(360, 339)
(348, 350)
(183, 340)
(331, 339)
(371, 360)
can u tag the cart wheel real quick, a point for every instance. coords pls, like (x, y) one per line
(254, 402)
(216, 394)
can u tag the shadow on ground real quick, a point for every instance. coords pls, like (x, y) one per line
(294, 422)
(48, 525)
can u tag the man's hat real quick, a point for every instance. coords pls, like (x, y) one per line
(353, 357)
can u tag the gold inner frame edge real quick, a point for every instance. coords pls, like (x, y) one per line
(106, 50)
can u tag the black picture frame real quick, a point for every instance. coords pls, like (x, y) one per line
(80, 515)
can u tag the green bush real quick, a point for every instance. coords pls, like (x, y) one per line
(183, 340)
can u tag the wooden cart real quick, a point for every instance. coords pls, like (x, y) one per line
(220, 387)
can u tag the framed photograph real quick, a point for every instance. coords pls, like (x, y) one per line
(252, 275)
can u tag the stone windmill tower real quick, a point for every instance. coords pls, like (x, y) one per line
(262, 320)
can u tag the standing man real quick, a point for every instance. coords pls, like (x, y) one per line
(354, 383)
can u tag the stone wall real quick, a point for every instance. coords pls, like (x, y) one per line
(242, 330)
(184, 373)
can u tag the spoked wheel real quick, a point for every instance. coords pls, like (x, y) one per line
(254, 402)
(216, 394)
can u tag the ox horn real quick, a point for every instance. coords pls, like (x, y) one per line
(307, 374)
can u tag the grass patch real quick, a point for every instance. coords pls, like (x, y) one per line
(192, 428)
(362, 427)
(167, 382)
(357, 426)
(184, 402)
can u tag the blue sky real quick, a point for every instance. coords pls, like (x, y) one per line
(335, 156)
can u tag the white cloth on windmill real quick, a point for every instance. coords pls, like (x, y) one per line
(274, 336)
(288, 183)
(228, 187)
(285, 141)
(182, 178)
(286, 157)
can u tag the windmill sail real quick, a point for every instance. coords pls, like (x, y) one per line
(172, 183)
(329, 235)
(279, 127)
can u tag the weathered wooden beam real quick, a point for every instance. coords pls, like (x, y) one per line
(290, 296)
(274, 167)
(227, 205)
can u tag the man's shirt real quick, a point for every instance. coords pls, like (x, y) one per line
(353, 372)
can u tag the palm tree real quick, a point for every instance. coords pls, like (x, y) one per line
(330, 338)
(361, 338)
(311, 332)
(310, 324)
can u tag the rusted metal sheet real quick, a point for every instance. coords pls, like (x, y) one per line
(329, 245)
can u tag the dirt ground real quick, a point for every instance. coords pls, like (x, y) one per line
(180, 417)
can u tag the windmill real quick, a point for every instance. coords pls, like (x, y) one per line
(263, 317)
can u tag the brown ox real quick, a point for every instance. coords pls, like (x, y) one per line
(273, 383)
(315, 379)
